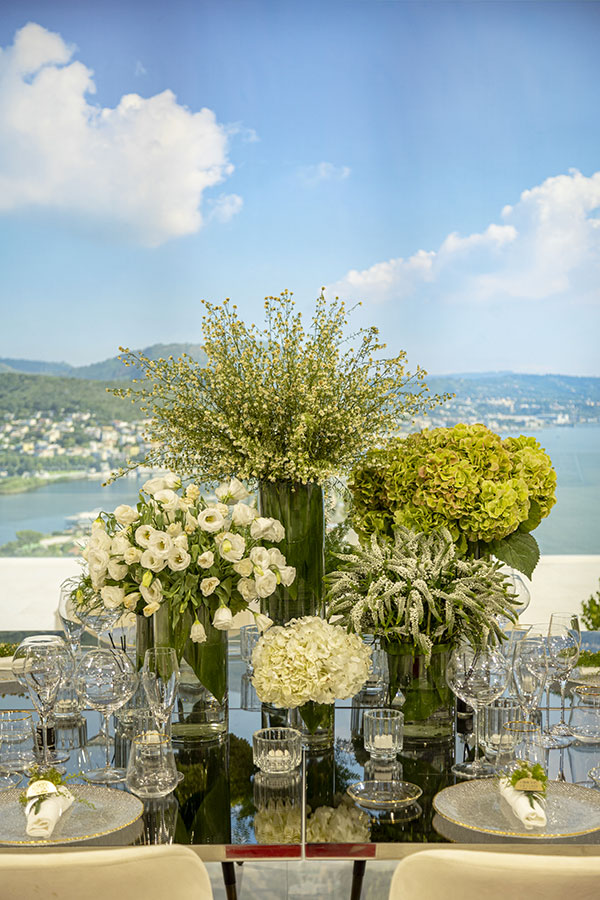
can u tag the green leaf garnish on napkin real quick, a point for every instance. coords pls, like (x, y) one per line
(54, 777)
(531, 779)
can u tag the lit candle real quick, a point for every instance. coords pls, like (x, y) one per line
(278, 754)
(384, 742)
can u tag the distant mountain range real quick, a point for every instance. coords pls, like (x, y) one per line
(494, 385)
(108, 370)
(35, 384)
(477, 386)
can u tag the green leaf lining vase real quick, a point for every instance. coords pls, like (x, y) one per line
(299, 508)
(316, 723)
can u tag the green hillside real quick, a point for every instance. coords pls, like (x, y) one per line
(24, 395)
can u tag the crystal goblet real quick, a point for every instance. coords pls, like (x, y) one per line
(477, 675)
(106, 680)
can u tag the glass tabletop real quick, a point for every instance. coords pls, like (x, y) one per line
(229, 810)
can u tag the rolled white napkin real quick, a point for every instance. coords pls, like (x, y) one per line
(57, 800)
(531, 816)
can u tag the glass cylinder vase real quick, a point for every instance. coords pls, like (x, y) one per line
(152, 631)
(426, 700)
(299, 508)
(202, 706)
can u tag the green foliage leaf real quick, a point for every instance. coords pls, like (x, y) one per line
(591, 612)
(536, 514)
(518, 550)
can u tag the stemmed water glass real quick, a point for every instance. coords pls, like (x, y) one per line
(529, 672)
(519, 589)
(564, 642)
(106, 680)
(478, 676)
(99, 619)
(160, 678)
(40, 663)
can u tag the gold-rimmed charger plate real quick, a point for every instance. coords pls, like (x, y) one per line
(112, 810)
(571, 810)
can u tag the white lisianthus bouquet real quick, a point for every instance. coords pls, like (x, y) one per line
(309, 662)
(179, 549)
(178, 552)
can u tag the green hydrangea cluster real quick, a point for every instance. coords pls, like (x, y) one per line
(466, 479)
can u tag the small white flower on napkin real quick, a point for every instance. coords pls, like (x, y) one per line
(42, 819)
(531, 812)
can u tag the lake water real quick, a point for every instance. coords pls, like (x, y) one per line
(47, 508)
(573, 526)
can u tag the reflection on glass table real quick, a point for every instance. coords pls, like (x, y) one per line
(227, 806)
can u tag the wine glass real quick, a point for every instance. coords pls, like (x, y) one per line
(151, 771)
(161, 677)
(521, 592)
(477, 675)
(540, 632)
(564, 642)
(106, 680)
(98, 617)
(529, 672)
(40, 664)
(73, 625)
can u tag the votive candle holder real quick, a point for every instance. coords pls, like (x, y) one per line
(277, 750)
(383, 731)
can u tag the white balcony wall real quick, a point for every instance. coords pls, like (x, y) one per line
(29, 589)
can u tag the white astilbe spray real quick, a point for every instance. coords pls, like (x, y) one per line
(417, 590)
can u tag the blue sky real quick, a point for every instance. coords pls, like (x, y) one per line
(439, 161)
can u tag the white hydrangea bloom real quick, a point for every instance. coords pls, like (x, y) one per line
(309, 659)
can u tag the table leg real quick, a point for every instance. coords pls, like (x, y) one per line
(229, 880)
(358, 873)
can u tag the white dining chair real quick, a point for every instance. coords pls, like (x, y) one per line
(479, 875)
(137, 873)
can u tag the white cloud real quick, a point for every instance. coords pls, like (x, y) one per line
(323, 171)
(225, 207)
(140, 69)
(548, 246)
(141, 168)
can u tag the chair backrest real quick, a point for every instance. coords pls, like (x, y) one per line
(134, 873)
(478, 875)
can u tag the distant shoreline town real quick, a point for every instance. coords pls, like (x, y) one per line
(40, 449)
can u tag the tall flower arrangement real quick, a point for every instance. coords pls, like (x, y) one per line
(488, 492)
(283, 406)
(185, 559)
